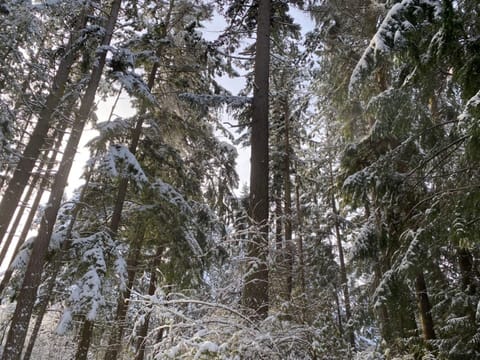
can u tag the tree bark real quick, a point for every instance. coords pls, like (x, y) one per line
(32, 151)
(26, 300)
(255, 291)
(85, 339)
(424, 307)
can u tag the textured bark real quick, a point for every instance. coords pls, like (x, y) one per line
(85, 339)
(22, 172)
(255, 292)
(26, 299)
(424, 307)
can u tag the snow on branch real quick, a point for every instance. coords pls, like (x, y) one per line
(215, 101)
(119, 161)
(391, 34)
(471, 110)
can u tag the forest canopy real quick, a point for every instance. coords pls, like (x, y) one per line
(355, 235)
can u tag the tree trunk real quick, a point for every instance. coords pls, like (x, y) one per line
(115, 341)
(255, 292)
(85, 339)
(33, 210)
(343, 268)
(424, 307)
(301, 260)
(26, 199)
(142, 332)
(26, 299)
(467, 270)
(289, 247)
(42, 308)
(32, 151)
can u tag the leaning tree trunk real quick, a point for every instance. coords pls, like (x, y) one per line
(26, 299)
(59, 258)
(32, 151)
(50, 161)
(33, 210)
(255, 291)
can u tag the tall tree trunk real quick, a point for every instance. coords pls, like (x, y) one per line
(289, 246)
(30, 155)
(343, 268)
(9, 168)
(142, 332)
(424, 307)
(42, 308)
(115, 341)
(33, 210)
(255, 291)
(27, 296)
(85, 339)
(301, 259)
(58, 260)
(26, 199)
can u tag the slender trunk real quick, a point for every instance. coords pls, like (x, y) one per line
(26, 199)
(339, 312)
(30, 155)
(33, 210)
(255, 292)
(289, 246)
(278, 214)
(42, 308)
(21, 240)
(142, 332)
(343, 269)
(18, 104)
(115, 341)
(301, 260)
(26, 299)
(424, 307)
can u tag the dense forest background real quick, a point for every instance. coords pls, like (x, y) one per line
(357, 236)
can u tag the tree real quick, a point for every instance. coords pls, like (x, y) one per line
(31, 281)
(255, 292)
